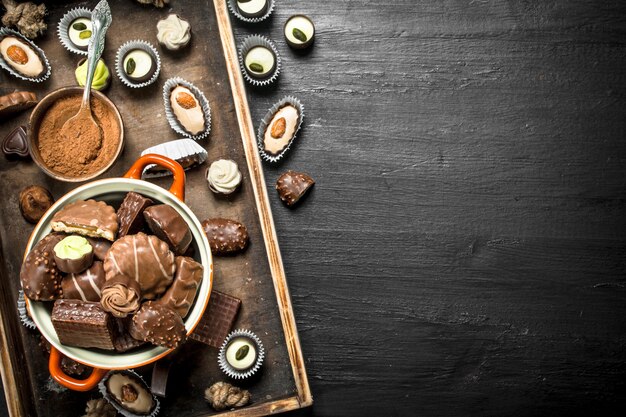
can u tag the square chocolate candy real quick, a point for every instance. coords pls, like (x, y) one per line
(83, 324)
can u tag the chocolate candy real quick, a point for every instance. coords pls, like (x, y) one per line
(34, 202)
(169, 226)
(83, 324)
(123, 341)
(85, 286)
(217, 320)
(160, 372)
(121, 296)
(100, 247)
(88, 218)
(180, 295)
(129, 393)
(146, 259)
(159, 325)
(16, 102)
(292, 185)
(73, 254)
(68, 365)
(130, 213)
(226, 237)
(40, 277)
(16, 143)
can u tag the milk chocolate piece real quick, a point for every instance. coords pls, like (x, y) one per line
(123, 341)
(169, 226)
(121, 296)
(85, 286)
(217, 320)
(73, 254)
(83, 324)
(226, 237)
(16, 102)
(129, 393)
(40, 277)
(159, 325)
(100, 247)
(146, 259)
(180, 295)
(130, 213)
(34, 202)
(88, 218)
(16, 143)
(292, 185)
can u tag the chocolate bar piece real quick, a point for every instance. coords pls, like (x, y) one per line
(292, 186)
(169, 226)
(217, 320)
(40, 277)
(83, 324)
(130, 213)
(85, 286)
(88, 218)
(180, 295)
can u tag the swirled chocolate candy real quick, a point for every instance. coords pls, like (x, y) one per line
(85, 286)
(88, 218)
(169, 226)
(40, 277)
(83, 324)
(130, 213)
(146, 259)
(226, 237)
(292, 186)
(121, 296)
(180, 295)
(159, 325)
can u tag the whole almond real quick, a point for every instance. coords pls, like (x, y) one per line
(17, 54)
(185, 100)
(278, 128)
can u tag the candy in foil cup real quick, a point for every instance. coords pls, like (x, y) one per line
(127, 413)
(169, 112)
(64, 25)
(250, 42)
(182, 150)
(23, 312)
(227, 368)
(232, 6)
(4, 32)
(119, 62)
(288, 100)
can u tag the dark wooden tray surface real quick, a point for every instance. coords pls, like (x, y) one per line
(248, 276)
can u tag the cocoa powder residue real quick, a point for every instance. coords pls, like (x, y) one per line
(84, 151)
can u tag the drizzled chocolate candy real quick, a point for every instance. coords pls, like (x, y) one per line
(180, 295)
(86, 285)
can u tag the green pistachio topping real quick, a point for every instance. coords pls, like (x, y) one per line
(85, 34)
(299, 35)
(242, 352)
(100, 77)
(72, 247)
(130, 66)
(256, 67)
(79, 26)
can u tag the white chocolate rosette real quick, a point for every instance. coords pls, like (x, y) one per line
(173, 33)
(223, 176)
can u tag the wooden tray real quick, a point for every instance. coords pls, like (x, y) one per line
(256, 277)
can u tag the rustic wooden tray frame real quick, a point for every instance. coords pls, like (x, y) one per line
(303, 397)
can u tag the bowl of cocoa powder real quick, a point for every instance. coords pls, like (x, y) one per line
(74, 159)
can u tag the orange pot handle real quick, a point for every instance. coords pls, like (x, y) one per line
(67, 381)
(178, 185)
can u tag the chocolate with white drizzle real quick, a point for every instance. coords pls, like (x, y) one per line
(40, 277)
(85, 286)
(146, 259)
(180, 295)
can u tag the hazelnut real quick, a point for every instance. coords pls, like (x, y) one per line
(129, 393)
(34, 201)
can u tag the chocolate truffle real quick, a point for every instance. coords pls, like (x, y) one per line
(21, 57)
(187, 110)
(281, 129)
(79, 32)
(139, 65)
(88, 218)
(130, 213)
(226, 237)
(129, 393)
(83, 324)
(121, 296)
(146, 259)
(39, 275)
(159, 325)
(85, 286)
(292, 185)
(252, 8)
(16, 102)
(260, 62)
(299, 31)
(180, 295)
(169, 226)
(173, 33)
(73, 254)
(34, 202)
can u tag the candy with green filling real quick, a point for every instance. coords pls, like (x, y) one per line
(73, 254)
(101, 78)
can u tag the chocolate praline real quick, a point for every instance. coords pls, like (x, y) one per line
(73, 254)
(139, 65)
(129, 393)
(34, 202)
(260, 62)
(252, 8)
(79, 32)
(299, 31)
(20, 56)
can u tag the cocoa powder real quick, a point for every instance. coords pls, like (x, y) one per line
(83, 152)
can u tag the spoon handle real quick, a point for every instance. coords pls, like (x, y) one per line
(100, 22)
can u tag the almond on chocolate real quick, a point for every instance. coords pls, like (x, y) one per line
(226, 237)
(292, 186)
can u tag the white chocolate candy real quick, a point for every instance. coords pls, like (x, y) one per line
(187, 110)
(246, 361)
(252, 8)
(223, 176)
(74, 34)
(144, 63)
(274, 145)
(32, 66)
(174, 33)
(262, 56)
(302, 24)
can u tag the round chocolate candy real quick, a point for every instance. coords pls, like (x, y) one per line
(79, 32)
(139, 65)
(260, 62)
(299, 31)
(34, 202)
(73, 254)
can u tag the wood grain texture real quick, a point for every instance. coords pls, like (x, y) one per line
(462, 252)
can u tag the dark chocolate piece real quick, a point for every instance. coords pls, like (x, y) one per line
(129, 393)
(226, 237)
(85, 286)
(68, 365)
(218, 319)
(40, 277)
(169, 226)
(292, 185)
(16, 143)
(159, 325)
(100, 247)
(123, 341)
(34, 202)
(76, 245)
(16, 102)
(88, 218)
(83, 324)
(160, 372)
(130, 214)
(121, 296)
(180, 295)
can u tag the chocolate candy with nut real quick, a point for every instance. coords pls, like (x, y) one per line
(85, 286)
(180, 295)
(129, 394)
(169, 226)
(292, 186)
(40, 277)
(226, 237)
(130, 213)
(88, 218)
(159, 325)
(34, 202)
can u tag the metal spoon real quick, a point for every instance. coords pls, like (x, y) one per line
(83, 123)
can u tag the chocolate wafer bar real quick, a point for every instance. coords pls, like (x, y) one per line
(217, 320)
(83, 324)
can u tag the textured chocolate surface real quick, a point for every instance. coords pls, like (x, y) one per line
(16, 143)
(158, 324)
(85, 286)
(169, 226)
(130, 213)
(292, 186)
(226, 237)
(16, 102)
(180, 295)
(100, 247)
(40, 278)
(218, 319)
(83, 324)
(87, 218)
(34, 202)
(121, 296)
(123, 341)
(144, 258)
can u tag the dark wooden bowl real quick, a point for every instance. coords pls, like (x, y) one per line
(35, 121)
